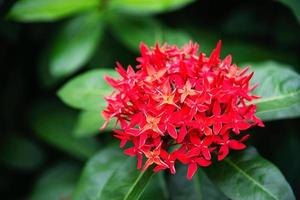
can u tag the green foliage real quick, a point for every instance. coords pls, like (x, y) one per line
(279, 88)
(146, 6)
(248, 176)
(20, 153)
(87, 90)
(239, 50)
(75, 44)
(48, 10)
(109, 175)
(56, 183)
(294, 5)
(146, 30)
(156, 189)
(187, 190)
(89, 122)
(54, 124)
(200, 188)
(208, 189)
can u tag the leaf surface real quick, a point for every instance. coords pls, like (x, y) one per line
(246, 175)
(48, 10)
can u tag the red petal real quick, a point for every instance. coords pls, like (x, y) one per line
(207, 131)
(148, 163)
(216, 109)
(195, 139)
(206, 153)
(208, 140)
(191, 170)
(244, 138)
(243, 125)
(182, 134)
(183, 158)
(193, 152)
(223, 152)
(202, 162)
(130, 151)
(202, 108)
(136, 119)
(172, 168)
(243, 71)
(159, 168)
(143, 138)
(215, 54)
(123, 143)
(140, 160)
(234, 144)
(217, 127)
(172, 131)
(164, 154)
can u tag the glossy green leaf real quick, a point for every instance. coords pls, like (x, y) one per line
(57, 183)
(208, 190)
(75, 43)
(126, 183)
(145, 30)
(156, 189)
(279, 88)
(246, 175)
(147, 6)
(54, 124)
(89, 123)
(199, 188)
(109, 175)
(96, 173)
(188, 189)
(294, 5)
(48, 10)
(86, 91)
(20, 153)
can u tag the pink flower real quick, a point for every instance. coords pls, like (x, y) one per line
(181, 106)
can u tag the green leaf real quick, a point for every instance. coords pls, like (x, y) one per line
(54, 124)
(109, 175)
(20, 153)
(147, 7)
(208, 190)
(199, 188)
(48, 10)
(57, 183)
(126, 183)
(279, 88)
(188, 189)
(156, 189)
(145, 30)
(89, 122)
(294, 5)
(75, 44)
(86, 91)
(248, 176)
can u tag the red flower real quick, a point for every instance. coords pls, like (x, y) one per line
(181, 106)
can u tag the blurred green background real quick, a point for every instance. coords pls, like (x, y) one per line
(44, 43)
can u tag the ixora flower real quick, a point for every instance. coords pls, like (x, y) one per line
(181, 106)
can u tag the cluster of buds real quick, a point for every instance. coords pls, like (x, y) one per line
(180, 105)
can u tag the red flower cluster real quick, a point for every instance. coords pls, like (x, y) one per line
(181, 106)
